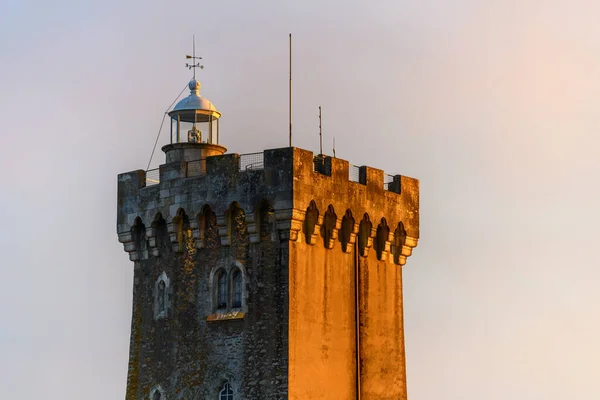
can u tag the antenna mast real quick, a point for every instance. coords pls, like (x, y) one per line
(290, 90)
(334, 147)
(320, 134)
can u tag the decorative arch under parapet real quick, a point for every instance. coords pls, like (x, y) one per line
(399, 241)
(177, 230)
(329, 228)
(365, 239)
(311, 220)
(404, 244)
(265, 222)
(135, 242)
(237, 230)
(208, 229)
(382, 240)
(138, 232)
(158, 236)
(348, 232)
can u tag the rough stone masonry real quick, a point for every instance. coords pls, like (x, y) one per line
(278, 281)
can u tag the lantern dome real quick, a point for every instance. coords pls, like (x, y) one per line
(195, 108)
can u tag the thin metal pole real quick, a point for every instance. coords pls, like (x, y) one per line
(290, 90)
(194, 56)
(320, 133)
(333, 147)
(210, 129)
(357, 314)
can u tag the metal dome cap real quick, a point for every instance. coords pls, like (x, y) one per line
(195, 108)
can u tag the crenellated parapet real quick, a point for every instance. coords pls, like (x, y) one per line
(298, 198)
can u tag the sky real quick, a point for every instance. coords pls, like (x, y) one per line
(493, 105)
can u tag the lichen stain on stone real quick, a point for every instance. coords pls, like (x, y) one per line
(133, 375)
(189, 277)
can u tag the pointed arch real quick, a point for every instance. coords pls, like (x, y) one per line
(381, 237)
(346, 230)
(237, 229)
(227, 285)
(310, 221)
(159, 226)
(364, 234)
(157, 393)
(162, 296)
(181, 224)
(266, 220)
(237, 288)
(208, 231)
(221, 292)
(226, 391)
(138, 234)
(328, 227)
(399, 241)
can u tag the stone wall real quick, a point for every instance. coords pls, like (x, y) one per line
(297, 236)
(186, 228)
(345, 232)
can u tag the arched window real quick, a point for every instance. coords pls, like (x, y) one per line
(237, 288)
(157, 394)
(226, 392)
(161, 297)
(221, 290)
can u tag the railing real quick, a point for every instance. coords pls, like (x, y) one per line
(252, 161)
(319, 164)
(354, 173)
(248, 162)
(152, 177)
(387, 179)
(255, 161)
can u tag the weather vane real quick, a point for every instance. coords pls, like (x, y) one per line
(195, 64)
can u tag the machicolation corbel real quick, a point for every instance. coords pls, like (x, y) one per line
(348, 232)
(312, 222)
(330, 227)
(365, 235)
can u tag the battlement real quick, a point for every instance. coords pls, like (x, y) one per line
(255, 161)
(292, 181)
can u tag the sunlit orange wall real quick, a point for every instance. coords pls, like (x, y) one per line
(322, 322)
(321, 317)
(383, 367)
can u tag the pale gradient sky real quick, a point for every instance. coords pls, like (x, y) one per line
(493, 105)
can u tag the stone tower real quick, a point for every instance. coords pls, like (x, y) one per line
(273, 275)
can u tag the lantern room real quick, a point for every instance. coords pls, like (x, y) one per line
(194, 128)
(195, 119)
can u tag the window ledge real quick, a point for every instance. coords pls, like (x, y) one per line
(226, 316)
